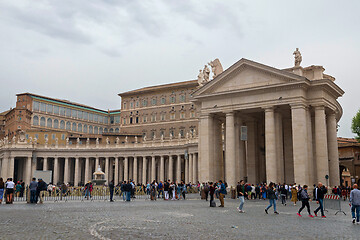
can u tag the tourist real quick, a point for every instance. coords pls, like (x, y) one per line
(304, 198)
(33, 186)
(283, 193)
(9, 185)
(122, 189)
(41, 189)
(183, 189)
(211, 192)
(355, 203)
(88, 190)
(263, 191)
(127, 189)
(320, 191)
(111, 189)
(178, 191)
(241, 194)
(2, 186)
(22, 188)
(172, 190)
(18, 189)
(272, 198)
(294, 197)
(166, 189)
(161, 189)
(222, 193)
(257, 192)
(148, 188)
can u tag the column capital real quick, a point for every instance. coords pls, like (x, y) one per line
(229, 113)
(319, 107)
(269, 108)
(298, 105)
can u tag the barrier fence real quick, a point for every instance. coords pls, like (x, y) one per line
(333, 202)
(99, 193)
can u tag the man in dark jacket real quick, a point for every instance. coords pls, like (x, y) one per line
(320, 191)
(111, 189)
(304, 196)
(33, 187)
(41, 189)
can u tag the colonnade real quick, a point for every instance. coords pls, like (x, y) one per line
(293, 143)
(79, 170)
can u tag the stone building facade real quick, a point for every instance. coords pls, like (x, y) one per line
(251, 122)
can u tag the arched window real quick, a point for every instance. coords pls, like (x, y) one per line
(90, 129)
(49, 122)
(96, 130)
(56, 123)
(79, 127)
(62, 124)
(74, 127)
(111, 130)
(100, 130)
(68, 126)
(42, 121)
(105, 130)
(85, 129)
(35, 120)
(117, 130)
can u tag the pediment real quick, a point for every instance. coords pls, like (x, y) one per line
(246, 74)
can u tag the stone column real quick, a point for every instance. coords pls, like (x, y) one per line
(116, 173)
(96, 163)
(191, 167)
(279, 147)
(153, 168)
(162, 169)
(288, 151)
(206, 147)
(144, 169)
(299, 133)
(187, 160)
(4, 168)
(28, 171)
(126, 169)
(321, 148)
(230, 171)
(66, 171)
(76, 173)
(178, 169)
(11, 168)
(121, 170)
(45, 164)
(135, 169)
(171, 167)
(195, 168)
(333, 151)
(270, 146)
(107, 170)
(242, 157)
(56, 170)
(87, 169)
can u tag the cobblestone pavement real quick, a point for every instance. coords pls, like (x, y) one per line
(190, 219)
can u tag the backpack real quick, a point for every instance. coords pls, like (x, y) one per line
(299, 195)
(206, 188)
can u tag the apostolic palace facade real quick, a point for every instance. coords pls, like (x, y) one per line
(250, 121)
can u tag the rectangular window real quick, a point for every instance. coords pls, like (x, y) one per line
(80, 115)
(144, 102)
(42, 107)
(49, 108)
(46, 136)
(73, 113)
(95, 117)
(62, 111)
(62, 136)
(172, 99)
(192, 114)
(53, 136)
(131, 105)
(68, 112)
(182, 98)
(27, 136)
(85, 115)
(56, 110)
(182, 115)
(137, 104)
(144, 119)
(124, 120)
(91, 117)
(172, 116)
(112, 119)
(162, 100)
(106, 120)
(124, 105)
(163, 117)
(153, 101)
(117, 119)
(36, 106)
(37, 136)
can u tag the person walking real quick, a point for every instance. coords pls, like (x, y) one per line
(304, 198)
(355, 203)
(320, 191)
(272, 198)
(283, 193)
(222, 193)
(33, 186)
(41, 190)
(206, 190)
(241, 194)
(211, 192)
(166, 189)
(10, 186)
(111, 189)
(2, 187)
(294, 198)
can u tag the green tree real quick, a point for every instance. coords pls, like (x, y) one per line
(355, 125)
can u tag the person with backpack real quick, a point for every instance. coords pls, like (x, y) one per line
(304, 198)
(320, 191)
(272, 198)
(206, 190)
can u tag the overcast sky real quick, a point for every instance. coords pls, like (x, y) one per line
(89, 51)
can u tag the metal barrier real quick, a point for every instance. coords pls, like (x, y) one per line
(333, 202)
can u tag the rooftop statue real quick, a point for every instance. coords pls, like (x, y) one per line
(216, 67)
(206, 73)
(298, 57)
